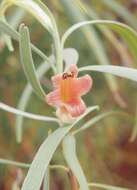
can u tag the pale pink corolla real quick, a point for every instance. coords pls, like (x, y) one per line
(67, 92)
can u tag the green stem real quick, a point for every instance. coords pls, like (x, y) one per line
(24, 165)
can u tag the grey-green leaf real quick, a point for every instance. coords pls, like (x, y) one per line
(25, 98)
(69, 151)
(38, 10)
(42, 159)
(125, 72)
(27, 61)
(9, 30)
(126, 32)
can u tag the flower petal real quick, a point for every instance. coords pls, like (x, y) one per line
(84, 84)
(53, 98)
(56, 80)
(76, 107)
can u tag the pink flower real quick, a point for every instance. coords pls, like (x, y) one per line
(66, 96)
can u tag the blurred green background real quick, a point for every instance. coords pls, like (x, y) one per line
(105, 152)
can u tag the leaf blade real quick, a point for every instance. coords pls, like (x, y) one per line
(22, 104)
(26, 114)
(69, 151)
(42, 159)
(120, 71)
(27, 61)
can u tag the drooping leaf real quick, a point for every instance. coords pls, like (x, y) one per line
(27, 61)
(126, 32)
(26, 114)
(42, 159)
(14, 163)
(38, 10)
(7, 38)
(124, 72)
(98, 118)
(106, 187)
(25, 97)
(69, 152)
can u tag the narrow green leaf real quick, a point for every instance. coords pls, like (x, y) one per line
(14, 163)
(9, 30)
(26, 114)
(42, 159)
(7, 38)
(38, 10)
(89, 110)
(69, 151)
(8, 42)
(27, 61)
(98, 118)
(127, 33)
(120, 71)
(24, 99)
(106, 187)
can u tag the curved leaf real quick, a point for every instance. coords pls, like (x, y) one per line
(7, 38)
(42, 69)
(9, 30)
(106, 187)
(42, 159)
(128, 34)
(98, 118)
(38, 10)
(26, 114)
(14, 163)
(125, 72)
(27, 61)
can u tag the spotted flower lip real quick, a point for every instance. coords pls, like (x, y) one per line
(67, 92)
